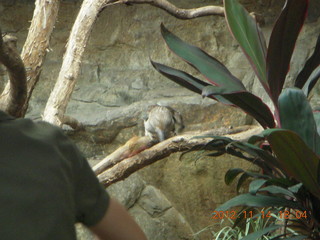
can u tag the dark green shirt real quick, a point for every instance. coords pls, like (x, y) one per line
(46, 185)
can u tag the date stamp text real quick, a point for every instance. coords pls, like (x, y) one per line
(250, 214)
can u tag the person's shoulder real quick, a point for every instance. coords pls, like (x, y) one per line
(55, 135)
(46, 133)
(50, 128)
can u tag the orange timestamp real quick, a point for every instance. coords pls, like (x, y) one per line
(250, 214)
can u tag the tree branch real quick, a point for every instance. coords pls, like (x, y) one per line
(12, 101)
(132, 147)
(127, 166)
(182, 13)
(34, 52)
(67, 78)
(179, 12)
(36, 45)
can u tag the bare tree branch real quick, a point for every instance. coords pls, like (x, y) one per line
(36, 46)
(12, 102)
(182, 13)
(178, 12)
(35, 49)
(78, 39)
(126, 167)
(132, 147)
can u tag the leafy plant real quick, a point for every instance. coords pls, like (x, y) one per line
(289, 147)
(255, 224)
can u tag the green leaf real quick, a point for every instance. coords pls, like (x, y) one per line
(186, 80)
(316, 116)
(247, 174)
(258, 200)
(242, 180)
(282, 182)
(253, 106)
(295, 188)
(231, 174)
(277, 190)
(256, 184)
(262, 158)
(282, 43)
(182, 78)
(296, 115)
(217, 90)
(256, 235)
(297, 237)
(258, 153)
(300, 237)
(311, 82)
(312, 63)
(247, 101)
(246, 31)
(210, 67)
(296, 158)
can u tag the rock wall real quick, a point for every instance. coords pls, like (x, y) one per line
(117, 83)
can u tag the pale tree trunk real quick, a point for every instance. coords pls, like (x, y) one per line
(34, 51)
(60, 96)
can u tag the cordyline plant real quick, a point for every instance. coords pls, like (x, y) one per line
(289, 147)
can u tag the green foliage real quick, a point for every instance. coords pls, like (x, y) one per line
(306, 79)
(296, 115)
(289, 147)
(246, 31)
(257, 227)
(224, 87)
(282, 42)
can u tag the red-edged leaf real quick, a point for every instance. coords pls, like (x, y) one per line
(248, 34)
(182, 78)
(296, 115)
(282, 43)
(295, 157)
(312, 63)
(247, 101)
(311, 82)
(186, 80)
(210, 67)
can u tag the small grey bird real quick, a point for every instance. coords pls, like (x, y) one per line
(162, 122)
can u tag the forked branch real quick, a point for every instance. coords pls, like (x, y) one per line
(124, 168)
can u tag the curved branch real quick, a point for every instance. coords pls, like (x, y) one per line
(12, 101)
(179, 12)
(182, 13)
(173, 10)
(163, 149)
